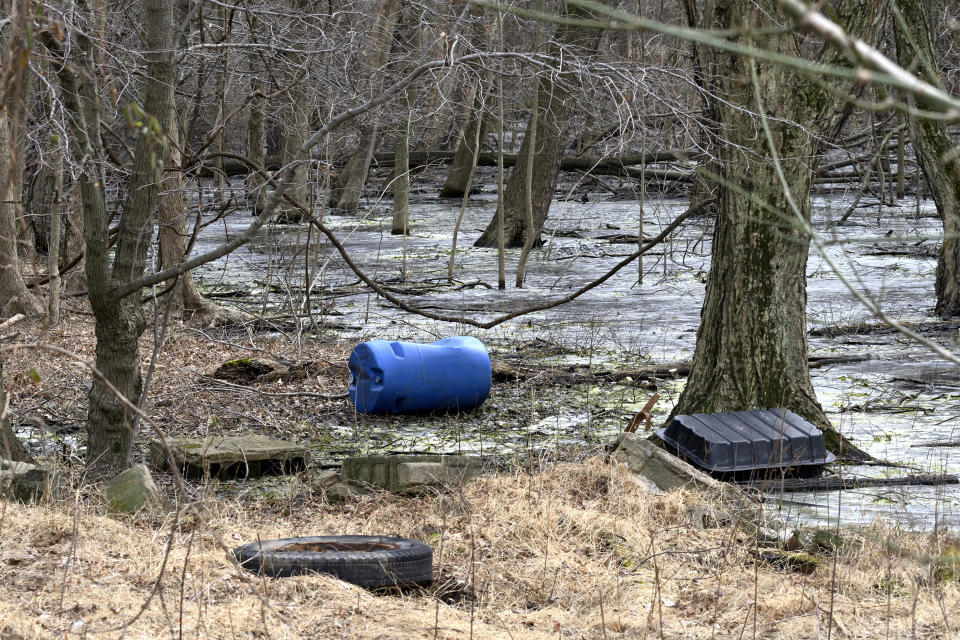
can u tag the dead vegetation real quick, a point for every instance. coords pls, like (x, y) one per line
(569, 551)
(548, 550)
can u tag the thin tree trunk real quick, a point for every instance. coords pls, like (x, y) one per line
(529, 231)
(10, 446)
(255, 130)
(935, 150)
(401, 169)
(401, 181)
(53, 242)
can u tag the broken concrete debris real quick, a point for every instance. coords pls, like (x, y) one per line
(27, 482)
(230, 457)
(402, 474)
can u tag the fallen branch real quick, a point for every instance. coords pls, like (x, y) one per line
(843, 483)
(642, 416)
(941, 443)
(504, 372)
(696, 208)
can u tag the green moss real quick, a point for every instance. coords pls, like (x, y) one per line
(892, 587)
(946, 567)
(239, 362)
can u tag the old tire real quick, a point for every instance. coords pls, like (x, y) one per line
(367, 561)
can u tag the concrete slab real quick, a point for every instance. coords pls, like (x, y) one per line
(231, 457)
(27, 482)
(409, 473)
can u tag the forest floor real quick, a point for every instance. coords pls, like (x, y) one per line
(566, 547)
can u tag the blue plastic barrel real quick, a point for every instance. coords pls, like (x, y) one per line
(404, 377)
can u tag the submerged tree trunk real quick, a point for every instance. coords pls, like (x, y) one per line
(553, 102)
(347, 189)
(751, 349)
(461, 169)
(935, 149)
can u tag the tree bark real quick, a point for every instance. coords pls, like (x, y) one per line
(119, 321)
(14, 295)
(553, 102)
(348, 186)
(461, 169)
(935, 149)
(10, 446)
(751, 349)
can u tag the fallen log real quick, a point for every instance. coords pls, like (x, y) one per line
(569, 163)
(880, 328)
(941, 443)
(503, 372)
(815, 362)
(841, 483)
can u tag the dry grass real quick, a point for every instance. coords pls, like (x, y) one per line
(577, 551)
(572, 551)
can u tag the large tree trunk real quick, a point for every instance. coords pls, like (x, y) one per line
(553, 101)
(751, 349)
(119, 322)
(14, 296)
(935, 149)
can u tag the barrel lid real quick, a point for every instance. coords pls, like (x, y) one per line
(746, 440)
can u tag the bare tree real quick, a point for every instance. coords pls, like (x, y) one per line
(546, 140)
(119, 319)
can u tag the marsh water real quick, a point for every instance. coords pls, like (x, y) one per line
(902, 397)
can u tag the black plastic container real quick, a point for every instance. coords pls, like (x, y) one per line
(744, 445)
